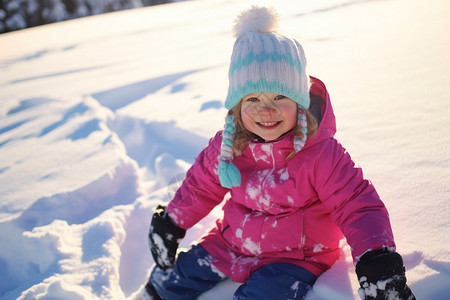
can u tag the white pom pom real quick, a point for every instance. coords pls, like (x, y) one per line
(256, 19)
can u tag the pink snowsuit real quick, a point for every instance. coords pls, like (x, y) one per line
(294, 210)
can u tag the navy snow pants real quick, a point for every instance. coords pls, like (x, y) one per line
(194, 274)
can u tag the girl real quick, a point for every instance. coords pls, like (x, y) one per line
(292, 192)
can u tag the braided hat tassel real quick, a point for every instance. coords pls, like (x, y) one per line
(229, 174)
(299, 143)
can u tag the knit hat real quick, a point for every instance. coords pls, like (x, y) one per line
(262, 61)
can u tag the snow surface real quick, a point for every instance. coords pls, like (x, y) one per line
(100, 118)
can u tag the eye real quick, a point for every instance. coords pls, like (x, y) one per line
(252, 99)
(279, 97)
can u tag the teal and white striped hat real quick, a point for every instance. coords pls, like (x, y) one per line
(262, 61)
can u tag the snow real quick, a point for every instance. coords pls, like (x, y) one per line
(251, 246)
(100, 118)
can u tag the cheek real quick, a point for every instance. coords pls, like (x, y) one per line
(291, 114)
(292, 119)
(246, 116)
(247, 121)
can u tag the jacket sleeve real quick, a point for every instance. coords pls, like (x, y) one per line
(352, 200)
(200, 191)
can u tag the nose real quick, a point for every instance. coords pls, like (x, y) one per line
(267, 108)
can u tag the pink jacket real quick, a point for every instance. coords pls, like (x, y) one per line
(293, 210)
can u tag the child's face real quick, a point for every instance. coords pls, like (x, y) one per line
(268, 115)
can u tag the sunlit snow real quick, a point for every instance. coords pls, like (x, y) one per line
(100, 118)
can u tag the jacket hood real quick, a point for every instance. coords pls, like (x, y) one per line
(320, 108)
(323, 111)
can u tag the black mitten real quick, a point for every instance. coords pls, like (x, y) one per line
(164, 238)
(381, 275)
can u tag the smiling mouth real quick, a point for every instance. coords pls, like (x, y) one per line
(268, 124)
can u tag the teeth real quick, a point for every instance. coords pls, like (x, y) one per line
(268, 123)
